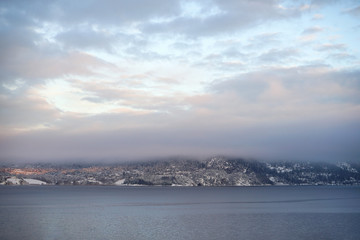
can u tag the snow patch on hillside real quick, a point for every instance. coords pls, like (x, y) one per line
(120, 182)
(34, 181)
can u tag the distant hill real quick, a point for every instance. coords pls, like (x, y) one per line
(216, 171)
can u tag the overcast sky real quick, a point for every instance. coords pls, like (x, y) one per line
(120, 80)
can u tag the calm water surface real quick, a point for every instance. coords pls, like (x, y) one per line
(99, 212)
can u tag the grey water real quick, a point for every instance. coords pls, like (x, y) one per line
(111, 212)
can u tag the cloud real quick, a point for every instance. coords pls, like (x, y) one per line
(354, 11)
(342, 56)
(86, 37)
(36, 65)
(312, 30)
(304, 86)
(317, 16)
(278, 55)
(233, 52)
(108, 12)
(308, 39)
(315, 139)
(331, 47)
(93, 99)
(128, 97)
(27, 55)
(264, 39)
(302, 113)
(227, 19)
(26, 112)
(322, 3)
(77, 25)
(310, 34)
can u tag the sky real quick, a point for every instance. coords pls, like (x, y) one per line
(135, 79)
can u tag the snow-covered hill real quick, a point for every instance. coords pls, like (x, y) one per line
(216, 171)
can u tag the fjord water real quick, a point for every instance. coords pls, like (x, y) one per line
(99, 212)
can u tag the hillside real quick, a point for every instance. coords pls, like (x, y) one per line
(216, 171)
